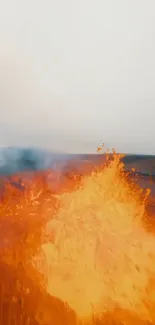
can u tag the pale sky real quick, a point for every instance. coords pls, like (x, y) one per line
(76, 73)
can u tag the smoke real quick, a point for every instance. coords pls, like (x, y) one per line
(14, 160)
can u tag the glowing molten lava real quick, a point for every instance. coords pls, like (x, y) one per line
(100, 257)
(95, 253)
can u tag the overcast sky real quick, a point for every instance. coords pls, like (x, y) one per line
(76, 73)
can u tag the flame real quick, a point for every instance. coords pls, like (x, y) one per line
(90, 245)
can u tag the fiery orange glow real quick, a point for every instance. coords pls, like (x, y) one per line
(82, 253)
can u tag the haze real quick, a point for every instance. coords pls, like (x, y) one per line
(76, 73)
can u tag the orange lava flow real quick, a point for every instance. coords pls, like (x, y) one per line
(87, 246)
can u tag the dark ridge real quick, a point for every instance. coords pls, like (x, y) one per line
(132, 158)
